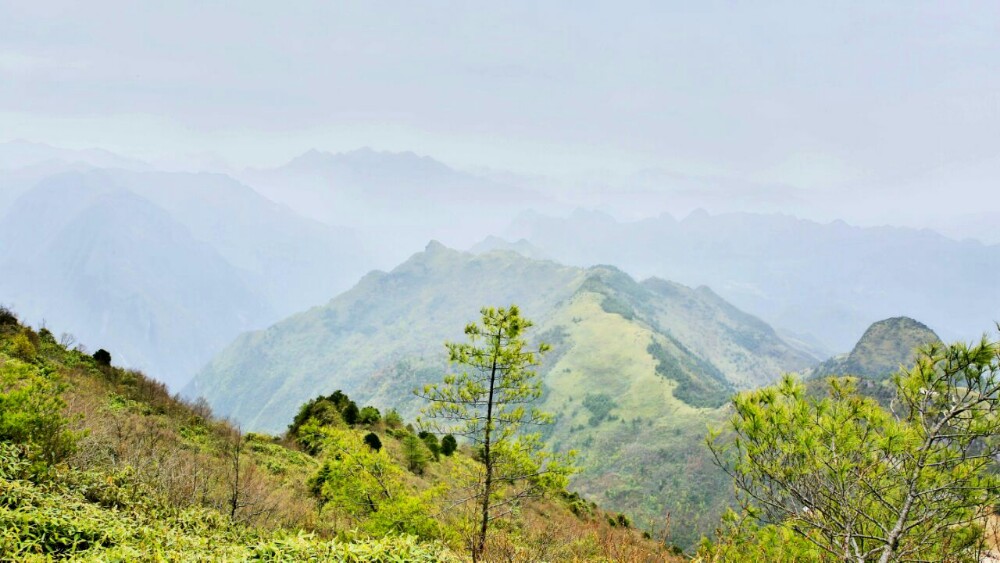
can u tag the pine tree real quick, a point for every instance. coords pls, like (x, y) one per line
(487, 403)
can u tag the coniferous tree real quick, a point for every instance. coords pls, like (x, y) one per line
(448, 444)
(863, 483)
(488, 402)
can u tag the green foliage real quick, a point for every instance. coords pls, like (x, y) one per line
(31, 410)
(7, 318)
(741, 538)
(389, 549)
(617, 306)
(373, 441)
(600, 406)
(55, 520)
(433, 446)
(369, 415)
(320, 409)
(486, 403)
(699, 383)
(351, 413)
(367, 486)
(393, 419)
(150, 479)
(862, 483)
(22, 348)
(327, 411)
(448, 444)
(416, 453)
(102, 357)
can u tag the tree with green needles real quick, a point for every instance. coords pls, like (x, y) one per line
(861, 482)
(488, 402)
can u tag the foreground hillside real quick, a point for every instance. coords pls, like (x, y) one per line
(636, 372)
(98, 463)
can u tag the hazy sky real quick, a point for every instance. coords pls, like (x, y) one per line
(868, 100)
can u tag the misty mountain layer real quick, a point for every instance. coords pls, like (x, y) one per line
(824, 282)
(164, 268)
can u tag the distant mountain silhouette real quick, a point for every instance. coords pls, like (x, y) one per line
(827, 281)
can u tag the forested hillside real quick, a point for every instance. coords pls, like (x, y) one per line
(636, 372)
(101, 463)
(883, 349)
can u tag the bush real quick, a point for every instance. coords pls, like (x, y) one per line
(431, 441)
(369, 415)
(350, 413)
(392, 419)
(7, 317)
(102, 357)
(373, 442)
(448, 444)
(31, 411)
(22, 348)
(320, 409)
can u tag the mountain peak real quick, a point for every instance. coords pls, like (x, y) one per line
(435, 246)
(886, 346)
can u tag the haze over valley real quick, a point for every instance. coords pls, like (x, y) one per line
(264, 244)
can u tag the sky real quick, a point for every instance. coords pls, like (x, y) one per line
(883, 111)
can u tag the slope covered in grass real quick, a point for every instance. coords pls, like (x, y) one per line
(636, 372)
(98, 463)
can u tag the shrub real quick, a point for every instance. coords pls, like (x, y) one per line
(22, 348)
(102, 357)
(7, 317)
(373, 442)
(369, 415)
(392, 419)
(448, 444)
(350, 413)
(31, 411)
(431, 441)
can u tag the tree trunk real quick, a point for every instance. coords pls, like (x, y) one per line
(487, 459)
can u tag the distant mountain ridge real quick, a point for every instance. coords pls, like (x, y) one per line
(396, 200)
(21, 154)
(829, 281)
(165, 268)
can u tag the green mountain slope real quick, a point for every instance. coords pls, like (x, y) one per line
(99, 463)
(637, 371)
(884, 347)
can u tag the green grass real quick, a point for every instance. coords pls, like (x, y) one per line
(99, 463)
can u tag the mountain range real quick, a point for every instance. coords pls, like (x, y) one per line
(394, 199)
(164, 268)
(638, 368)
(820, 283)
(249, 240)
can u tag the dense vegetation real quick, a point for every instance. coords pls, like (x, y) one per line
(884, 348)
(838, 476)
(101, 463)
(638, 429)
